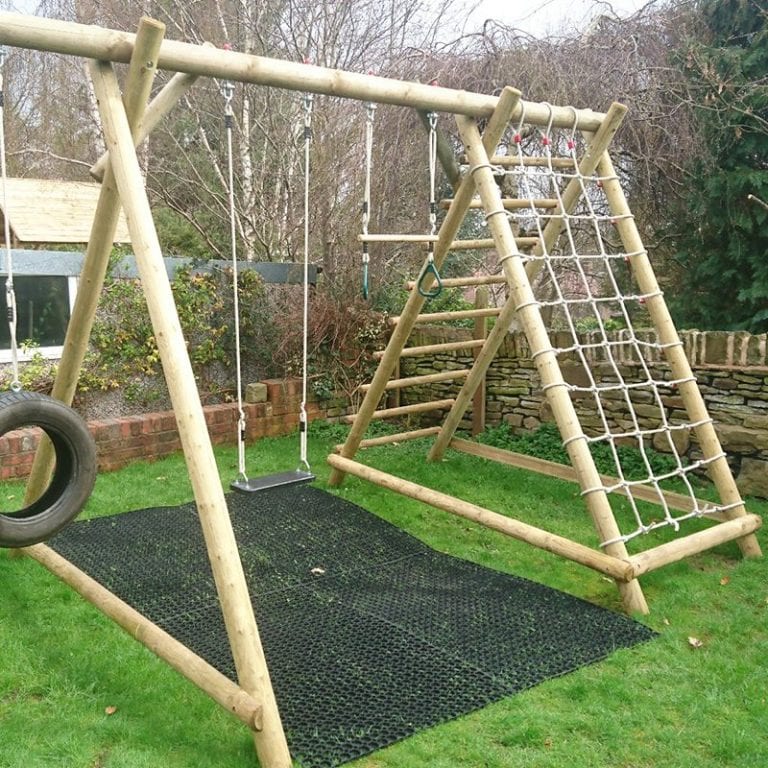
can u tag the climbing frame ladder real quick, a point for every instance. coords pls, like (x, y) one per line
(478, 189)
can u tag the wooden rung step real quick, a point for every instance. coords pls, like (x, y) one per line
(513, 161)
(400, 437)
(430, 349)
(404, 410)
(417, 381)
(510, 203)
(487, 243)
(513, 203)
(456, 282)
(459, 314)
(397, 238)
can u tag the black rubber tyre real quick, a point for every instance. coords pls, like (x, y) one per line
(73, 476)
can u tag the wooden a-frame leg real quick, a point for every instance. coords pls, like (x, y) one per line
(521, 295)
(138, 85)
(496, 126)
(688, 389)
(239, 620)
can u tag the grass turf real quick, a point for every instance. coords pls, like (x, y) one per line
(65, 667)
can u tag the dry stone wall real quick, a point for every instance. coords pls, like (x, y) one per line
(731, 370)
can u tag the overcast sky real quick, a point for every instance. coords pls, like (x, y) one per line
(537, 17)
(540, 17)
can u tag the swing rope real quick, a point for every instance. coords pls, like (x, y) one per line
(429, 267)
(228, 92)
(10, 293)
(370, 115)
(307, 101)
(303, 472)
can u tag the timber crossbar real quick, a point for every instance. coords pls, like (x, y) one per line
(620, 570)
(93, 42)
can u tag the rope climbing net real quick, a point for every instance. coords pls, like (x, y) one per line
(625, 395)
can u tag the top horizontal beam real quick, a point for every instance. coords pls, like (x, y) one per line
(42, 34)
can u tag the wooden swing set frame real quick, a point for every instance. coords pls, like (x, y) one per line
(127, 120)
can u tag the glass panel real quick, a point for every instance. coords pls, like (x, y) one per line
(42, 305)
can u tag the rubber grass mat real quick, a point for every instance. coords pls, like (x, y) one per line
(369, 634)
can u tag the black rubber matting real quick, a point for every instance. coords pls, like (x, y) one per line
(369, 634)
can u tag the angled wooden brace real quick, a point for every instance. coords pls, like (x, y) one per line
(570, 197)
(527, 310)
(497, 124)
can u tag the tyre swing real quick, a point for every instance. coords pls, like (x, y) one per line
(74, 472)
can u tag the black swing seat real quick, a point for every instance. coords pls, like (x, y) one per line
(272, 481)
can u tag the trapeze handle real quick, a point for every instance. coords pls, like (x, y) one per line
(434, 291)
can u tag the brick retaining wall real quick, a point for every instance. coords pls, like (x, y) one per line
(151, 436)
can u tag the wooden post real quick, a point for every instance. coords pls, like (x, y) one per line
(718, 469)
(480, 332)
(141, 75)
(220, 541)
(156, 110)
(112, 45)
(483, 360)
(453, 220)
(527, 310)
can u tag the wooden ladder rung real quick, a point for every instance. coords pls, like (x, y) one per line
(456, 282)
(397, 238)
(512, 161)
(417, 381)
(404, 410)
(400, 437)
(511, 203)
(450, 346)
(459, 314)
(487, 243)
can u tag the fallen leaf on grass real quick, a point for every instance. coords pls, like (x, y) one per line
(110, 710)
(694, 642)
(725, 581)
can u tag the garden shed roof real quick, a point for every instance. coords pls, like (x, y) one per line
(48, 211)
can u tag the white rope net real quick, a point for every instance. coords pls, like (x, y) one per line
(624, 397)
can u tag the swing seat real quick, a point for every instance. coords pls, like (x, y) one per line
(272, 481)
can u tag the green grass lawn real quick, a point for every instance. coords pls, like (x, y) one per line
(65, 667)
